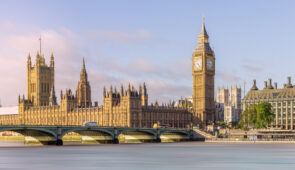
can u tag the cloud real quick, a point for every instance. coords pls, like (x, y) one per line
(125, 37)
(227, 77)
(15, 46)
(164, 80)
(252, 68)
(140, 67)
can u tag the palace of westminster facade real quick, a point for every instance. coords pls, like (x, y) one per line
(125, 107)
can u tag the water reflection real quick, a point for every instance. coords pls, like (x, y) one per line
(185, 155)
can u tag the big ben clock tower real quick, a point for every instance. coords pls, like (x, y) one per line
(203, 70)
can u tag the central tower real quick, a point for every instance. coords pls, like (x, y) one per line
(203, 71)
(83, 92)
(40, 79)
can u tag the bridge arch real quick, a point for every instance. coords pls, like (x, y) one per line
(87, 129)
(34, 135)
(136, 135)
(89, 135)
(181, 132)
(150, 132)
(174, 135)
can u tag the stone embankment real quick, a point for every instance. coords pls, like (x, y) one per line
(250, 141)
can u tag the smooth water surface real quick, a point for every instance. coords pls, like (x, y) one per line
(186, 155)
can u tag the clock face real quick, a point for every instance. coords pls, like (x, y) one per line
(198, 64)
(210, 64)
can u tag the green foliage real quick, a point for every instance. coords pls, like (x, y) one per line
(264, 115)
(259, 116)
(221, 123)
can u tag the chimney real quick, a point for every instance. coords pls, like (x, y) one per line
(289, 81)
(254, 87)
(269, 84)
(265, 84)
(276, 85)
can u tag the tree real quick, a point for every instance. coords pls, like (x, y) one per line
(265, 115)
(259, 116)
(246, 118)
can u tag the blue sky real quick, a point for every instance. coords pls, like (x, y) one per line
(146, 41)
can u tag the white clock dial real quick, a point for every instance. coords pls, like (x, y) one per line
(198, 64)
(210, 64)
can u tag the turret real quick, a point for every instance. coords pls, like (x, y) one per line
(140, 89)
(29, 62)
(122, 90)
(52, 98)
(144, 96)
(51, 60)
(129, 90)
(104, 92)
(156, 103)
(61, 95)
(37, 58)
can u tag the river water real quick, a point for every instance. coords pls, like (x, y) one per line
(184, 155)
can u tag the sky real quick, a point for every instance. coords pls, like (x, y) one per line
(150, 41)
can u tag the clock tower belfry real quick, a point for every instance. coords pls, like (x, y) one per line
(203, 71)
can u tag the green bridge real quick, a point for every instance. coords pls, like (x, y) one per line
(54, 134)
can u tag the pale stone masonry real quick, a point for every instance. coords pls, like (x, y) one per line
(281, 99)
(126, 108)
(120, 108)
(228, 104)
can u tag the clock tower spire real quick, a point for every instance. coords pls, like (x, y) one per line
(203, 71)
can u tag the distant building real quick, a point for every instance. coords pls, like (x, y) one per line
(282, 101)
(186, 102)
(228, 104)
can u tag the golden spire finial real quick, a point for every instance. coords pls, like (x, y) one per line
(83, 63)
(203, 29)
(203, 19)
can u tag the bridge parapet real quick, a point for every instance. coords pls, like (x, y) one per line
(57, 132)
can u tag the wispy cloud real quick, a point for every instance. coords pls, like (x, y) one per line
(228, 77)
(15, 44)
(120, 36)
(251, 68)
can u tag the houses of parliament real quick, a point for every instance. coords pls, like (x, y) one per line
(125, 107)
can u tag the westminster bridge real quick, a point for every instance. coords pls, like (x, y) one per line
(53, 135)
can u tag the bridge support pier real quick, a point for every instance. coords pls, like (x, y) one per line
(191, 135)
(115, 139)
(59, 141)
(158, 136)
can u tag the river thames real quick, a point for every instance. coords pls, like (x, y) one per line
(185, 155)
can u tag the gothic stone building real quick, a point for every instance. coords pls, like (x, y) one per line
(228, 104)
(127, 108)
(281, 99)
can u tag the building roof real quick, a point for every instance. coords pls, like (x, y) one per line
(270, 93)
(11, 110)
